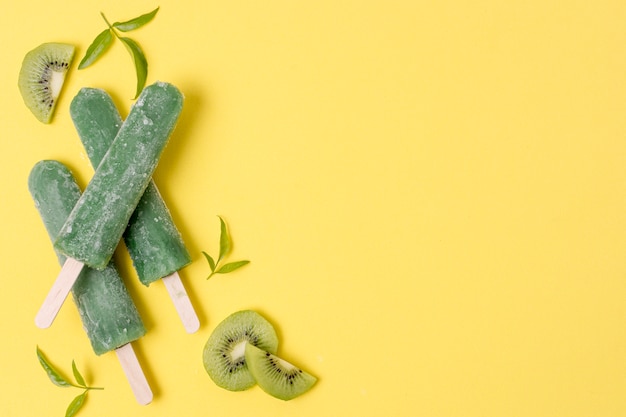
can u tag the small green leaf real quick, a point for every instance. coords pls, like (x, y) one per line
(77, 375)
(135, 23)
(53, 374)
(141, 65)
(230, 267)
(75, 405)
(225, 242)
(97, 48)
(210, 260)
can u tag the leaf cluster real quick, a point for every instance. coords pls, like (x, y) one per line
(60, 381)
(225, 247)
(103, 41)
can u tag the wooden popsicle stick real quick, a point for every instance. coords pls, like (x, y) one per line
(58, 293)
(134, 374)
(181, 302)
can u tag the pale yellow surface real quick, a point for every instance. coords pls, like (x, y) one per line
(432, 195)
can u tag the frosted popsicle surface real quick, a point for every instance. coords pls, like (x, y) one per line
(97, 222)
(107, 312)
(154, 243)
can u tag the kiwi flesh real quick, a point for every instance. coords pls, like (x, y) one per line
(276, 376)
(224, 352)
(42, 77)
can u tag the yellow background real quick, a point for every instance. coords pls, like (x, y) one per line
(432, 195)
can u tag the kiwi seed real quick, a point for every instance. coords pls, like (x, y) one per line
(224, 352)
(42, 76)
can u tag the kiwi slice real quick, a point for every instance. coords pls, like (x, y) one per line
(42, 76)
(276, 376)
(224, 352)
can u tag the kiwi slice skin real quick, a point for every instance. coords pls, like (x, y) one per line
(42, 76)
(224, 352)
(276, 376)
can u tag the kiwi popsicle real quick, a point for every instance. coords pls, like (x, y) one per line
(106, 310)
(95, 225)
(152, 239)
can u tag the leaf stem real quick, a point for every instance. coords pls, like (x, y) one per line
(82, 386)
(85, 387)
(106, 20)
(111, 28)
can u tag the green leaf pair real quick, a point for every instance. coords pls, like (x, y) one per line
(225, 247)
(60, 381)
(103, 41)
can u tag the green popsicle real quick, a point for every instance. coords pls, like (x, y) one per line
(153, 241)
(96, 224)
(106, 310)
(109, 315)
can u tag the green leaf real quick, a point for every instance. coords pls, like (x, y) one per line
(135, 23)
(97, 48)
(225, 242)
(77, 375)
(53, 374)
(230, 267)
(210, 260)
(141, 65)
(75, 405)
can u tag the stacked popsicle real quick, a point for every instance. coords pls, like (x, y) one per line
(99, 218)
(107, 312)
(153, 241)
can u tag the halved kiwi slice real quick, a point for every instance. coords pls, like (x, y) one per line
(276, 376)
(224, 352)
(42, 76)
